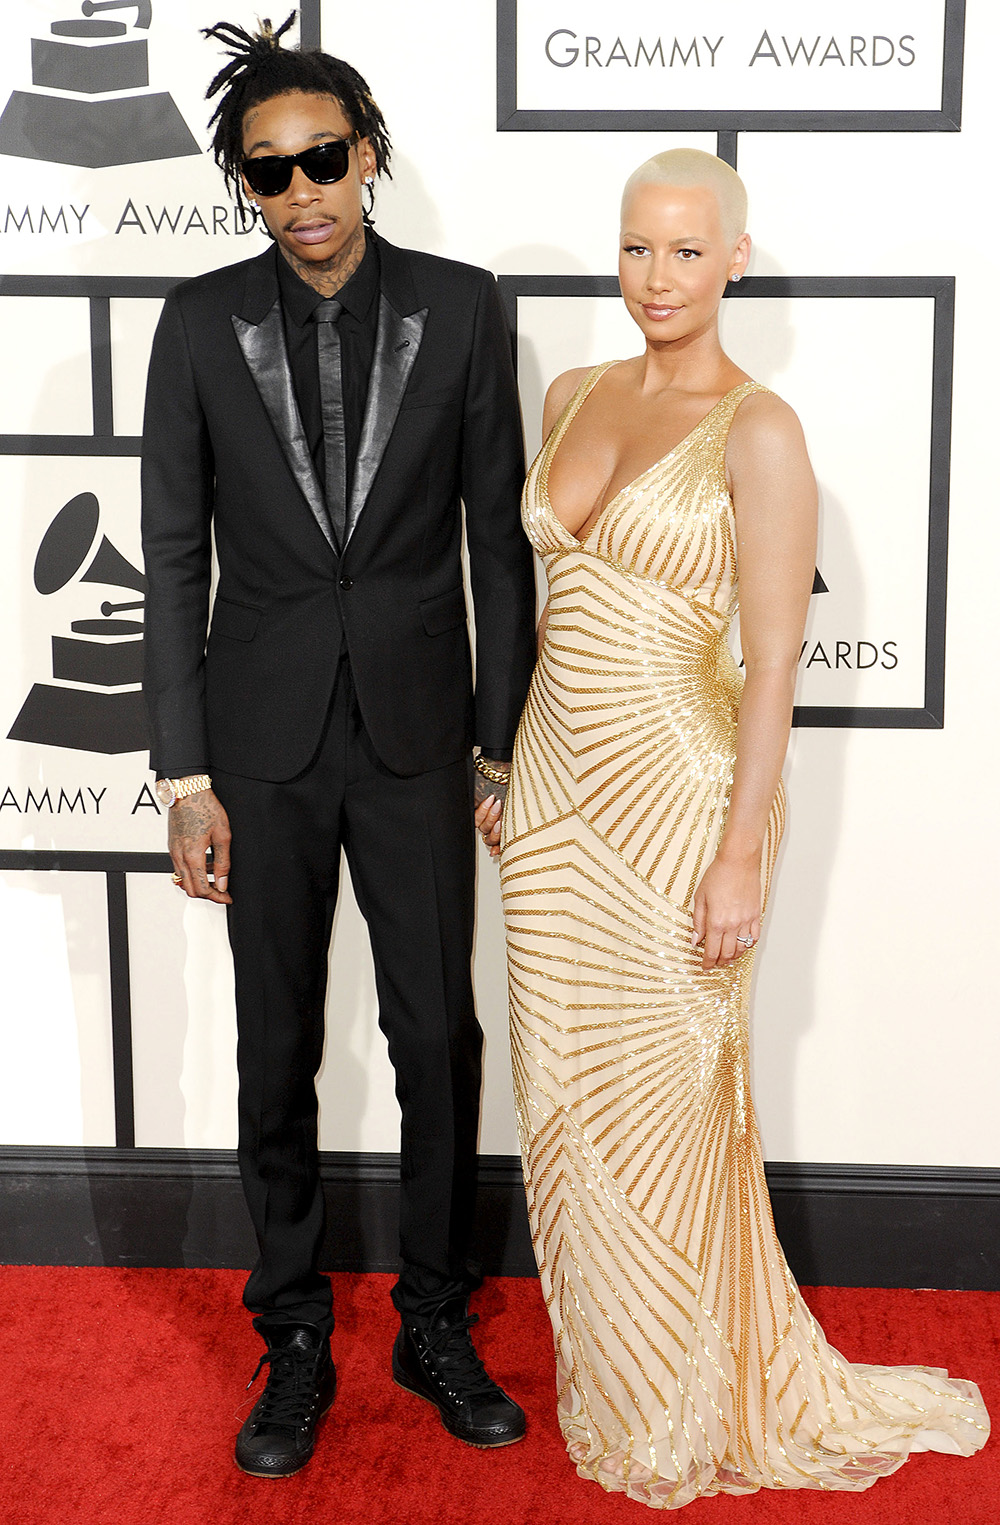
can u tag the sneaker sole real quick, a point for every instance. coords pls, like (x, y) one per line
(274, 1476)
(480, 1445)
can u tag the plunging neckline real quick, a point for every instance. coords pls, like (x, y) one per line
(559, 434)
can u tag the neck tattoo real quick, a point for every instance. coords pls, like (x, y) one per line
(329, 277)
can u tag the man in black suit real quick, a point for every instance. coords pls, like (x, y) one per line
(321, 411)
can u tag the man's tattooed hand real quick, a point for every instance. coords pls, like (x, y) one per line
(196, 826)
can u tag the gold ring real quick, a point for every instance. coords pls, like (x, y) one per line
(175, 876)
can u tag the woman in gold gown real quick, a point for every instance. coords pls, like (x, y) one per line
(638, 839)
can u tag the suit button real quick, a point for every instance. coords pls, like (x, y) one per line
(346, 582)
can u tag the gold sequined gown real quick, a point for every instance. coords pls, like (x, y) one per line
(682, 1343)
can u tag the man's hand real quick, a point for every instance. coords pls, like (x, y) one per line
(195, 826)
(488, 802)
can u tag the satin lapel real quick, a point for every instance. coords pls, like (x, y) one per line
(263, 346)
(396, 346)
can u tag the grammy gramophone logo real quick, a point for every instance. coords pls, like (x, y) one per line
(91, 103)
(94, 703)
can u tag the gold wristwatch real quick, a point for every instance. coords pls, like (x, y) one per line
(170, 790)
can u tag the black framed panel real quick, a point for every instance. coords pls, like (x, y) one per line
(310, 19)
(98, 290)
(947, 117)
(939, 290)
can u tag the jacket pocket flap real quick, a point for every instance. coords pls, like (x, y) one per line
(433, 397)
(443, 612)
(237, 621)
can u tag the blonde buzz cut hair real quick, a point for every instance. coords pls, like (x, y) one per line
(692, 167)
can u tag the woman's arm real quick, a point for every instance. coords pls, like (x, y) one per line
(556, 398)
(774, 493)
(489, 811)
(543, 625)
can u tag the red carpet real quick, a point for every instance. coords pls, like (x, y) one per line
(120, 1393)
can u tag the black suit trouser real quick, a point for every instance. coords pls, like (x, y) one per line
(410, 847)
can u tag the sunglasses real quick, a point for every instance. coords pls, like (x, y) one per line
(325, 164)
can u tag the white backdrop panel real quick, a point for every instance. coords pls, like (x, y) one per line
(183, 1019)
(133, 323)
(95, 800)
(157, 216)
(48, 390)
(58, 1083)
(725, 55)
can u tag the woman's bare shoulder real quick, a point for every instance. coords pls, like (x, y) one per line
(564, 386)
(767, 462)
(764, 428)
(559, 394)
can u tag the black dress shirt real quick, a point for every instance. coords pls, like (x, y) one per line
(356, 326)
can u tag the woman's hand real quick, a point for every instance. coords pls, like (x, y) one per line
(727, 910)
(489, 819)
(488, 800)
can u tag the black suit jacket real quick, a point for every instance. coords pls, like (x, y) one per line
(224, 451)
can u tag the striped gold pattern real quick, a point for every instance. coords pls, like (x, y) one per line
(687, 1362)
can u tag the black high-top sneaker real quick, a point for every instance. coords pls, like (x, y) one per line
(436, 1359)
(279, 1436)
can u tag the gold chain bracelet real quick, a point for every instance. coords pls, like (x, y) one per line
(493, 774)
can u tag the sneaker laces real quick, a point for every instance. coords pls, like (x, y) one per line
(290, 1391)
(452, 1344)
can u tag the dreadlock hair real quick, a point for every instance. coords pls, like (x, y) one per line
(260, 69)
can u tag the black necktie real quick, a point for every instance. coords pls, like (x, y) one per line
(331, 396)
